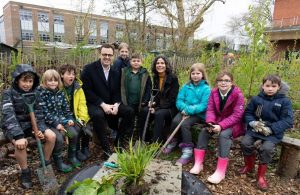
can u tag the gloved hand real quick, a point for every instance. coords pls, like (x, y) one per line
(260, 127)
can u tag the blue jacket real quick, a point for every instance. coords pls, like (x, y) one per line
(193, 99)
(120, 63)
(276, 112)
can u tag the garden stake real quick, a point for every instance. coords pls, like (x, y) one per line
(171, 136)
(45, 174)
(154, 93)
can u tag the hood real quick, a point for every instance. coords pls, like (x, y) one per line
(282, 91)
(22, 68)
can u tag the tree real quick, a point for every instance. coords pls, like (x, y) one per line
(237, 23)
(136, 16)
(185, 17)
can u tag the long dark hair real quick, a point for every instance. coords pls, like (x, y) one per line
(168, 66)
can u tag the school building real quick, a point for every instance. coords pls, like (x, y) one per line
(23, 24)
(285, 27)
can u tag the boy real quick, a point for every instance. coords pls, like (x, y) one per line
(76, 99)
(135, 86)
(267, 115)
(16, 122)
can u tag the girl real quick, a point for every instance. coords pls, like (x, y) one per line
(59, 116)
(267, 116)
(191, 102)
(163, 108)
(224, 112)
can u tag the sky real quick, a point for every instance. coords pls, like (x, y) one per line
(214, 21)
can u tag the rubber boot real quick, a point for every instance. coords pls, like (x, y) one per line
(86, 152)
(187, 153)
(249, 164)
(171, 146)
(72, 157)
(26, 178)
(199, 158)
(261, 177)
(60, 165)
(219, 174)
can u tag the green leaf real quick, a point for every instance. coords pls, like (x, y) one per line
(107, 189)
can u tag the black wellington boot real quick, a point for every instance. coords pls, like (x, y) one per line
(26, 178)
(60, 165)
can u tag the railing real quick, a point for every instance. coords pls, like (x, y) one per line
(286, 22)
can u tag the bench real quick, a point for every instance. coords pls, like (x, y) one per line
(289, 162)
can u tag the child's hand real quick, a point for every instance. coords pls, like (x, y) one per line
(40, 135)
(151, 105)
(21, 144)
(60, 127)
(216, 129)
(70, 122)
(151, 110)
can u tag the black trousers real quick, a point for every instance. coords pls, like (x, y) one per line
(100, 119)
(161, 118)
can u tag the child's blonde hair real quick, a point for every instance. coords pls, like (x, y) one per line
(200, 67)
(48, 76)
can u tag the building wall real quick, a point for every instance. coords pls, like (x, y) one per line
(286, 9)
(13, 29)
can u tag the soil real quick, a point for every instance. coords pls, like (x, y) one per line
(234, 183)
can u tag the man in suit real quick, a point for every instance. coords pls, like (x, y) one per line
(101, 85)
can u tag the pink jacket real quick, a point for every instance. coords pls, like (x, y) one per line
(232, 114)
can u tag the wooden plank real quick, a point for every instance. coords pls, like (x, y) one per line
(291, 141)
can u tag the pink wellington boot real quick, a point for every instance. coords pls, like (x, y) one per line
(219, 174)
(199, 158)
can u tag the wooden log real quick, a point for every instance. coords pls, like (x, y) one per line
(289, 162)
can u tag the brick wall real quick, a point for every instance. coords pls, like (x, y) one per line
(286, 9)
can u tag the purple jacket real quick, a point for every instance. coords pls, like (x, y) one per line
(232, 114)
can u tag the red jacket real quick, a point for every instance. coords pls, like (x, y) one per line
(232, 114)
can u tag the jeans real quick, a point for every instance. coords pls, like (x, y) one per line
(224, 141)
(265, 152)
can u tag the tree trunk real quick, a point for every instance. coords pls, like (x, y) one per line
(289, 162)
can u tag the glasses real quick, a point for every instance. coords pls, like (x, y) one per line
(106, 55)
(224, 81)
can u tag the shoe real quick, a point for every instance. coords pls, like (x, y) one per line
(26, 178)
(199, 158)
(47, 162)
(170, 147)
(187, 153)
(72, 157)
(261, 177)
(219, 174)
(60, 165)
(86, 152)
(249, 164)
(80, 156)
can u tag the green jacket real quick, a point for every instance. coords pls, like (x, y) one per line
(146, 86)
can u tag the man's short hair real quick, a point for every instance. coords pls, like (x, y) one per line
(106, 46)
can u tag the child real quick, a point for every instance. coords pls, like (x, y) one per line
(267, 116)
(123, 59)
(135, 85)
(191, 102)
(225, 111)
(76, 100)
(16, 122)
(59, 116)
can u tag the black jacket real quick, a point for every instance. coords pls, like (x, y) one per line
(96, 88)
(166, 99)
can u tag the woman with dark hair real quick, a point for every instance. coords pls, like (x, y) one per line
(163, 108)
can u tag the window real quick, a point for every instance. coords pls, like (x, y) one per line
(26, 19)
(44, 37)
(119, 27)
(159, 41)
(27, 35)
(92, 40)
(2, 31)
(58, 37)
(93, 28)
(119, 35)
(43, 22)
(59, 24)
(104, 31)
